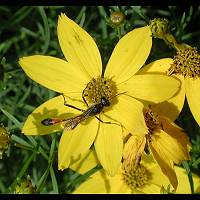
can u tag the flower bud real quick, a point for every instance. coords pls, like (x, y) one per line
(159, 28)
(117, 18)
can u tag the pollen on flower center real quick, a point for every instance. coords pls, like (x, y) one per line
(186, 63)
(151, 119)
(98, 88)
(136, 177)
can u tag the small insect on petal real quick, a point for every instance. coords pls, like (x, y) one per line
(50, 121)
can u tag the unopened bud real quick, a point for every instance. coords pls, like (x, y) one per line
(117, 18)
(159, 28)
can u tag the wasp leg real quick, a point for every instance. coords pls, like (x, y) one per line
(118, 124)
(109, 122)
(84, 98)
(71, 106)
(103, 121)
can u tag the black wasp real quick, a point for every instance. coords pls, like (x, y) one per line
(72, 122)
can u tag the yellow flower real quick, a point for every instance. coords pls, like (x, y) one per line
(185, 67)
(25, 187)
(4, 140)
(81, 76)
(146, 178)
(166, 141)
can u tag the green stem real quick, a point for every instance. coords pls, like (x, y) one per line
(46, 29)
(23, 147)
(119, 32)
(43, 179)
(189, 173)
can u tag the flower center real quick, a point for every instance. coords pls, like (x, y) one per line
(25, 187)
(98, 88)
(151, 119)
(186, 63)
(136, 177)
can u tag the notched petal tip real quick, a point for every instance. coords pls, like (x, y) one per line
(61, 167)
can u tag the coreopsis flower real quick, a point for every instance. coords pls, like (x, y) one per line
(81, 80)
(184, 66)
(187, 64)
(165, 140)
(146, 178)
(4, 140)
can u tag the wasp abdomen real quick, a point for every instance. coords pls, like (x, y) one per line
(48, 122)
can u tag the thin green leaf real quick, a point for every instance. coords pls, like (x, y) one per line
(85, 176)
(46, 28)
(12, 118)
(20, 141)
(80, 15)
(54, 181)
(187, 168)
(32, 140)
(23, 170)
(53, 145)
(42, 180)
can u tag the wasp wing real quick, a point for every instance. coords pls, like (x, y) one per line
(73, 122)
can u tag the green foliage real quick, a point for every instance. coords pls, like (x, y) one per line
(33, 30)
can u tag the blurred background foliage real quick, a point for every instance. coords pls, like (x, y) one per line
(33, 30)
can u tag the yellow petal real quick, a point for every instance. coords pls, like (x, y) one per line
(159, 66)
(79, 47)
(129, 54)
(129, 112)
(92, 185)
(108, 146)
(117, 185)
(53, 108)
(173, 139)
(172, 107)
(100, 183)
(54, 73)
(151, 87)
(163, 161)
(87, 161)
(133, 150)
(183, 182)
(184, 185)
(158, 180)
(150, 188)
(192, 87)
(76, 142)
